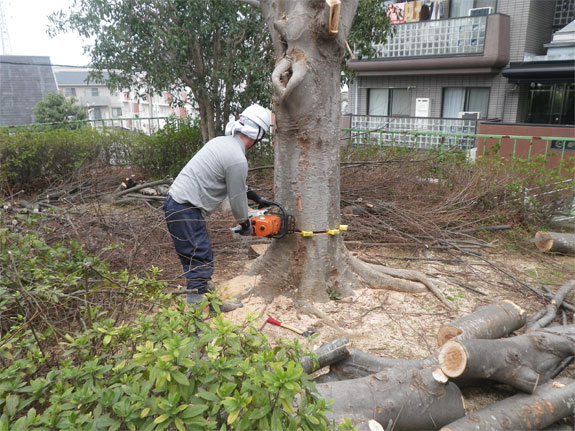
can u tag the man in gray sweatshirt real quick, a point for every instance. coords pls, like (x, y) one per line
(216, 171)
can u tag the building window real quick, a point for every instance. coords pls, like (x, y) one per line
(459, 8)
(96, 113)
(551, 104)
(389, 101)
(70, 92)
(459, 100)
(116, 112)
(92, 92)
(564, 13)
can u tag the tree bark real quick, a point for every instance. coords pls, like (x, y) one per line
(361, 364)
(487, 322)
(326, 354)
(306, 96)
(550, 403)
(399, 399)
(556, 242)
(524, 362)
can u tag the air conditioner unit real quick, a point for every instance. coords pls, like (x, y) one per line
(466, 115)
(478, 11)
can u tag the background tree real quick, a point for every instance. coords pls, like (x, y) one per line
(216, 50)
(306, 96)
(56, 108)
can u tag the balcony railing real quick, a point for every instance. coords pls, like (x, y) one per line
(464, 35)
(387, 131)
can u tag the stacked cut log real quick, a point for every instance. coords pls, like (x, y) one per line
(555, 242)
(385, 393)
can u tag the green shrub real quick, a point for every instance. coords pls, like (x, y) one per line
(68, 362)
(56, 281)
(28, 157)
(165, 371)
(168, 150)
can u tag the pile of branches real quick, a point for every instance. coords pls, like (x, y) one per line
(497, 344)
(423, 201)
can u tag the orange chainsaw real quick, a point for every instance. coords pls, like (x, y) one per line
(271, 222)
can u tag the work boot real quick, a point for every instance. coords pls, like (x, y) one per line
(210, 286)
(230, 305)
(194, 298)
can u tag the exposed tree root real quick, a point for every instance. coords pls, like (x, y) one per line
(402, 280)
(310, 277)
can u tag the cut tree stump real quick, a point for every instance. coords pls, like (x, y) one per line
(555, 242)
(487, 322)
(549, 404)
(397, 398)
(524, 361)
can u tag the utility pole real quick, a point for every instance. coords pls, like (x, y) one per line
(4, 35)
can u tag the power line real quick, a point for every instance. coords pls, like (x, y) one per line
(24, 63)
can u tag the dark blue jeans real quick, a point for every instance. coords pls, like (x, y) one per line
(187, 227)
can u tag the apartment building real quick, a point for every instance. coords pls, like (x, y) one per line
(454, 62)
(125, 109)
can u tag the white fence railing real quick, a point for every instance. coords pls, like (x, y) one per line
(387, 131)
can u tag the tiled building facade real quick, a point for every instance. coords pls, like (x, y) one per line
(453, 64)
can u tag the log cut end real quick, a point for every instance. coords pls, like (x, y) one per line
(543, 241)
(452, 359)
(520, 310)
(446, 333)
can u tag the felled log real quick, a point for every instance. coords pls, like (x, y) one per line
(550, 403)
(487, 322)
(326, 354)
(555, 242)
(524, 361)
(397, 398)
(361, 364)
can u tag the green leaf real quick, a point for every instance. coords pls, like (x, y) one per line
(260, 413)
(208, 396)
(233, 416)
(161, 418)
(193, 411)
(180, 378)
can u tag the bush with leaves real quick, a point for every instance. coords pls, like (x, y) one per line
(49, 284)
(168, 368)
(29, 158)
(169, 149)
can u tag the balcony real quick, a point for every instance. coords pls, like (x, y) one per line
(474, 44)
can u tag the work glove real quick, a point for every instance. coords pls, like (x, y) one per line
(260, 200)
(246, 228)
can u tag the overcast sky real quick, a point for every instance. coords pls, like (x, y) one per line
(27, 21)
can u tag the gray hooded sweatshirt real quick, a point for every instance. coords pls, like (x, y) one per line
(218, 170)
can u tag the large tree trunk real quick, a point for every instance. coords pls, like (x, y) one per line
(399, 399)
(549, 403)
(306, 83)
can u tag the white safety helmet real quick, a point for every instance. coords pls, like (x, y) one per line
(259, 116)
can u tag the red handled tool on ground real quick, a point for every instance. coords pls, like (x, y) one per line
(307, 333)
